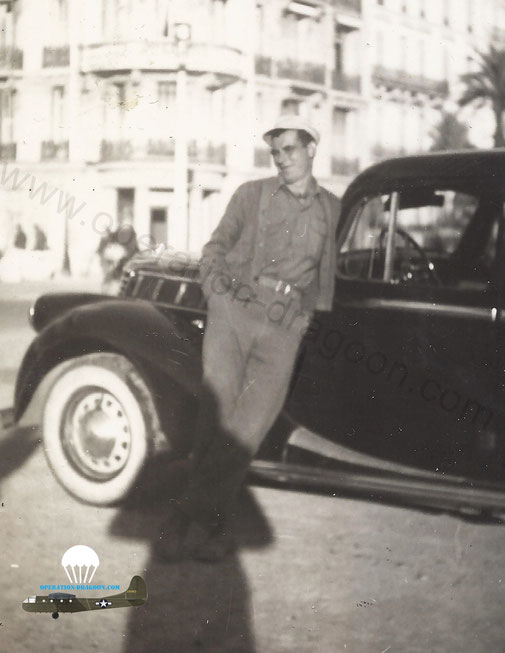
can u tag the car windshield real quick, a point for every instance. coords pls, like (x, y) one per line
(429, 235)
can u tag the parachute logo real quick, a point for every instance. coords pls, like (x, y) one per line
(78, 562)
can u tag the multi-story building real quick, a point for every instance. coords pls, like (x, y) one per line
(153, 110)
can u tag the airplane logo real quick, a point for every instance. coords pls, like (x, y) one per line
(136, 594)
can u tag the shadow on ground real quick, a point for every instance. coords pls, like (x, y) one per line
(192, 606)
(17, 445)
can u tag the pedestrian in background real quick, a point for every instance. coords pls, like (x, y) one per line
(19, 237)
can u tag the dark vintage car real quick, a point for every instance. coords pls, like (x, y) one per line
(398, 393)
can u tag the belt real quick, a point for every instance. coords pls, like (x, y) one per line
(278, 285)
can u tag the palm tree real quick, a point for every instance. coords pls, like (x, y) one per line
(449, 134)
(486, 86)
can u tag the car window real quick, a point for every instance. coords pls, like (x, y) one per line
(439, 237)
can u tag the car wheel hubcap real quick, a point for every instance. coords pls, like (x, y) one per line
(96, 433)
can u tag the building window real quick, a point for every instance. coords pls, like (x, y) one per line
(57, 123)
(117, 19)
(159, 225)
(469, 13)
(447, 65)
(166, 95)
(62, 10)
(125, 205)
(379, 52)
(260, 107)
(260, 26)
(115, 110)
(7, 111)
(404, 59)
(5, 31)
(447, 12)
(339, 128)
(338, 51)
(166, 108)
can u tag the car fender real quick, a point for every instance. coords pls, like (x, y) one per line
(163, 346)
(48, 307)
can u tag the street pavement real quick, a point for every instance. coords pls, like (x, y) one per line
(312, 573)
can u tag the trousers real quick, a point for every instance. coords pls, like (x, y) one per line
(248, 360)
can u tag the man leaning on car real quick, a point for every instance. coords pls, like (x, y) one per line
(268, 265)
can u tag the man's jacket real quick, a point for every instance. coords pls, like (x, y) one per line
(233, 249)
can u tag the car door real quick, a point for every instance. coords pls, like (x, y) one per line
(405, 368)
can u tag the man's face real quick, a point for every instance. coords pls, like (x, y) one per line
(292, 158)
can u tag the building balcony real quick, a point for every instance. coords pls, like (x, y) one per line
(344, 166)
(120, 150)
(11, 59)
(305, 72)
(262, 157)
(414, 83)
(207, 153)
(305, 8)
(7, 151)
(107, 58)
(125, 150)
(54, 57)
(346, 83)
(311, 73)
(54, 151)
(354, 6)
(161, 147)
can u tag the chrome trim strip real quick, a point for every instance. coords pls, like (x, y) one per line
(475, 312)
(444, 492)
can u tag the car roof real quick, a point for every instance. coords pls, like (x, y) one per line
(465, 169)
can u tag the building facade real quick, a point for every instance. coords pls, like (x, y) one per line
(152, 111)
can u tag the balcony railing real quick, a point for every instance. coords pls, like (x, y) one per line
(261, 157)
(53, 150)
(306, 72)
(120, 150)
(106, 58)
(7, 151)
(11, 58)
(343, 166)
(53, 57)
(312, 73)
(263, 65)
(161, 147)
(125, 150)
(348, 5)
(405, 81)
(349, 83)
(207, 153)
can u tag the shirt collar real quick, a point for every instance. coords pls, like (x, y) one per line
(313, 189)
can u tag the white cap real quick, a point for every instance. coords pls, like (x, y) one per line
(292, 122)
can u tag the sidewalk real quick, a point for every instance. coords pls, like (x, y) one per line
(30, 290)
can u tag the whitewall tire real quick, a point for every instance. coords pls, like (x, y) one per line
(99, 425)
